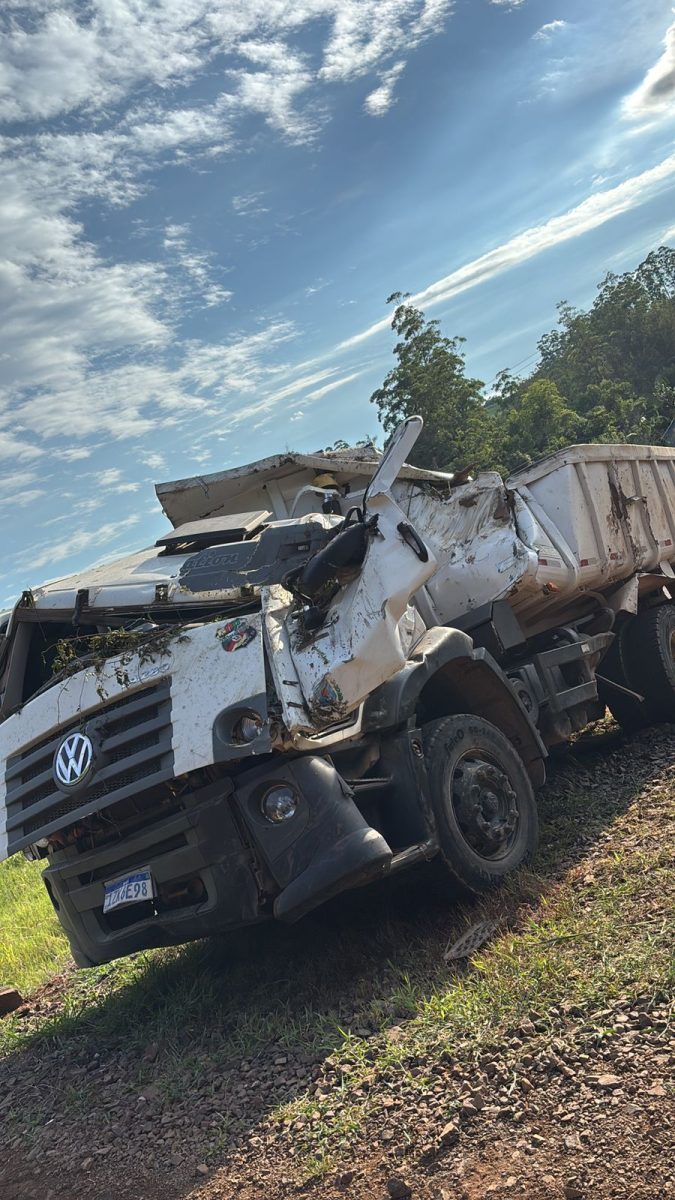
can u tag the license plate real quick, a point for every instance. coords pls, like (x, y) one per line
(131, 889)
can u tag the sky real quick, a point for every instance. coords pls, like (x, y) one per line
(204, 206)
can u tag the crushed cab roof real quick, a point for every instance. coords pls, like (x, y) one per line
(251, 486)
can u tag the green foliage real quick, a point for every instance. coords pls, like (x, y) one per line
(605, 375)
(32, 944)
(429, 380)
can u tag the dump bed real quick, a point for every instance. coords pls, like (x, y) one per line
(613, 507)
(582, 520)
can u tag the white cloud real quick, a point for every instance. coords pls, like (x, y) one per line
(596, 210)
(197, 266)
(59, 299)
(249, 206)
(379, 102)
(547, 31)
(48, 553)
(318, 286)
(62, 63)
(111, 480)
(133, 399)
(153, 460)
(66, 59)
(22, 499)
(65, 306)
(74, 453)
(655, 97)
(333, 386)
(17, 489)
(366, 32)
(272, 90)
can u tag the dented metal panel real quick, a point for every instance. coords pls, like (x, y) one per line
(275, 483)
(473, 535)
(369, 629)
(209, 668)
(596, 516)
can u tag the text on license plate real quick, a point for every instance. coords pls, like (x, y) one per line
(132, 889)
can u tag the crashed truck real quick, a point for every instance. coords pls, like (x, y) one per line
(330, 669)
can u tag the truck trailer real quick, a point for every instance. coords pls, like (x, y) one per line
(330, 668)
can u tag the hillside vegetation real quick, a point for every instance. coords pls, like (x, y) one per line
(605, 375)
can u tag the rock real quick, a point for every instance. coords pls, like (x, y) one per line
(657, 1089)
(468, 1109)
(85, 1164)
(10, 1000)
(608, 1082)
(150, 1053)
(573, 1191)
(202, 1169)
(449, 1134)
(398, 1189)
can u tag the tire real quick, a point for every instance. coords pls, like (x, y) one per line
(650, 660)
(630, 713)
(483, 801)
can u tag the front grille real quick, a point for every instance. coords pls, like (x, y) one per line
(132, 737)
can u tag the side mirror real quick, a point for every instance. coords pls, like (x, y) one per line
(394, 457)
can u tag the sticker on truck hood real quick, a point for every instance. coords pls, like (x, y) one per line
(236, 634)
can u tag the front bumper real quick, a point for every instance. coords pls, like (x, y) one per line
(218, 864)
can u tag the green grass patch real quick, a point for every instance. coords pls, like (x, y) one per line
(32, 945)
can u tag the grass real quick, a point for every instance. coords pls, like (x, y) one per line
(592, 922)
(32, 945)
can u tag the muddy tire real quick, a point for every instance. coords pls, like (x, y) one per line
(483, 801)
(650, 660)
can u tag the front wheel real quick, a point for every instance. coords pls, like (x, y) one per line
(483, 801)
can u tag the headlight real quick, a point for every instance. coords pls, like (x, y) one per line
(248, 728)
(279, 804)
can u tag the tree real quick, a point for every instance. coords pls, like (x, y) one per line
(615, 364)
(429, 379)
(539, 424)
(605, 375)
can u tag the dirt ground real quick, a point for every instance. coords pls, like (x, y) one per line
(574, 1104)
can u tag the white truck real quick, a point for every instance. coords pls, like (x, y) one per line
(332, 667)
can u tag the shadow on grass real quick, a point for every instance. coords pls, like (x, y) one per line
(270, 1004)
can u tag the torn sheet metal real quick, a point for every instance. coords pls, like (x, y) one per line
(369, 628)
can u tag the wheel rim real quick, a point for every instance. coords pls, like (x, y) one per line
(485, 806)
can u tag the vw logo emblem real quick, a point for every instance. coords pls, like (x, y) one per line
(73, 759)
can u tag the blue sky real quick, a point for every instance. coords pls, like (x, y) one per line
(204, 206)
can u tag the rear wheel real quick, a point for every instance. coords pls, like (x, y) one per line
(630, 712)
(650, 660)
(642, 658)
(483, 801)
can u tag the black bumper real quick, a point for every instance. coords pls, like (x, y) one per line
(221, 862)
